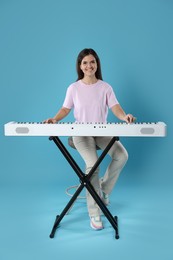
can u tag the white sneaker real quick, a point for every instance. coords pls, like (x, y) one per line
(96, 223)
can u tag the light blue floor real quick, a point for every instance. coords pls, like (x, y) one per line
(28, 212)
(34, 176)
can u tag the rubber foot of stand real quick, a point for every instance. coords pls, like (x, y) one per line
(51, 236)
(117, 236)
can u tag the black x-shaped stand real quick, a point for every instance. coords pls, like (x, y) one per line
(85, 182)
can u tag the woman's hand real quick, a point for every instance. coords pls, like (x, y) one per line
(119, 112)
(129, 118)
(50, 121)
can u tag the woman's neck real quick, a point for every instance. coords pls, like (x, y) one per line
(89, 80)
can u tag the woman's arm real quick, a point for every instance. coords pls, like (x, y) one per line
(119, 113)
(63, 112)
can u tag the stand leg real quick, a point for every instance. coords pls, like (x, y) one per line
(116, 231)
(85, 183)
(66, 209)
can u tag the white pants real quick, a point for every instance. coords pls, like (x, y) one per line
(86, 146)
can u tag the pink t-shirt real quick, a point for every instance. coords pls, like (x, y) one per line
(90, 102)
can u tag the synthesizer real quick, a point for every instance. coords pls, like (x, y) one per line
(157, 129)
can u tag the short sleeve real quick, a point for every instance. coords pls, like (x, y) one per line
(111, 98)
(68, 101)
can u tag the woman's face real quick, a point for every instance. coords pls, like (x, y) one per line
(89, 65)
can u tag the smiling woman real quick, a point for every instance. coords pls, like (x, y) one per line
(91, 97)
(89, 68)
(88, 60)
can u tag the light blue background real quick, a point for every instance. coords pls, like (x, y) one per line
(39, 43)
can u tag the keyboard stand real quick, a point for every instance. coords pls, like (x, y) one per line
(85, 182)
